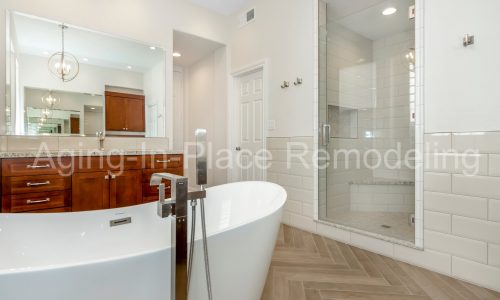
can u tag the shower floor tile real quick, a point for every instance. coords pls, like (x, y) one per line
(391, 224)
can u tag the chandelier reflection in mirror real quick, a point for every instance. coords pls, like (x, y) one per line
(64, 65)
(49, 100)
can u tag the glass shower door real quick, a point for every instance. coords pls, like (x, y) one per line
(367, 117)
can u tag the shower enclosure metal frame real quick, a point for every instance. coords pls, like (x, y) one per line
(419, 129)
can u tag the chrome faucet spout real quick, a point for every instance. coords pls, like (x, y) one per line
(177, 203)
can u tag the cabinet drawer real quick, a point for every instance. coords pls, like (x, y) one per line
(37, 201)
(36, 166)
(105, 163)
(163, 161)
(35, 184)
(51, 210)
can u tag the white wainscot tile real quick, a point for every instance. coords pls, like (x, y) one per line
(3, 143)
(78, 143)
(437, 221)
(494, 165)
(436, 261)
(437, 182)
(480, 186)
(120, 143)
(308, 183)
(28, 143)
(308, 210)
(437, 142)
(466, 164)
(301, 143)
(333, 233)
(476, 229)
(277, 143)
(483, 142)
(474, 272)
(153, 144)
(456, 204)
(494, 210)
(301, 170)
(372, 244)
(494, 255)
(293, 206)
(302, 222)
(458, 246)
(289, 180)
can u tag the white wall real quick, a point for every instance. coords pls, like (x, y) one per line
(283, 33)
(33, 72)
(206, 107)
(149, 21)
(154, 90)
(462, 91)
(93, 122)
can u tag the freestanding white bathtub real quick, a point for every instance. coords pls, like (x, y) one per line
(78, 256)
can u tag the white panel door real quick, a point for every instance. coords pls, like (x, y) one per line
(249, 126)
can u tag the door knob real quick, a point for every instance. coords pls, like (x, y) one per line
(237, 148)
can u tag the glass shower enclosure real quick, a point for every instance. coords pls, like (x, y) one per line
(367, 116)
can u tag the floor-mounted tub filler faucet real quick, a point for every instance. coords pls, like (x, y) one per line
(177, 208)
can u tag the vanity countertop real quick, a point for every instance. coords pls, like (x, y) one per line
(70, 153)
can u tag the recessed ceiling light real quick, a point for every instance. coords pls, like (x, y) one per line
(152, 48)
(129, 67)
(389, 11)
(85, 59)
(176, 54)
(92, 108)
(45, 53)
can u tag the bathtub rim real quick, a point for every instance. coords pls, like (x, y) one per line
(153, 250)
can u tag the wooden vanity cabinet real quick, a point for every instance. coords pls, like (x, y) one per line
(90, 191)
(126, 189)
(94, 183)
(36, 184)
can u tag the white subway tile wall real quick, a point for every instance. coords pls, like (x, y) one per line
(461, 212)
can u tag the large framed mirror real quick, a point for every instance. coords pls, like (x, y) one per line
(67, 80)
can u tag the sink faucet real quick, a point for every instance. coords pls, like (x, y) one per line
(100, 137)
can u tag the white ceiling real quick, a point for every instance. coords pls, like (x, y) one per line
(192, 48)
(365, 16)
(38, 37)
(225, 7)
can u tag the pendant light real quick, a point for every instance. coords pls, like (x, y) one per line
(64, 65)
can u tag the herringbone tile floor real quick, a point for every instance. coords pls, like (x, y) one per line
(308, 267)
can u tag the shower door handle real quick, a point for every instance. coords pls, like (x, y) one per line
(325, 134)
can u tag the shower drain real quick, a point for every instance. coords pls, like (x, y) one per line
(385, 226)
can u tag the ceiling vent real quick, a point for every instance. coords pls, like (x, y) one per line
(247, 17)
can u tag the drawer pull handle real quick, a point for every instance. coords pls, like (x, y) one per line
(163, 161)
(38, 167)
(46, 200)
(38, 183)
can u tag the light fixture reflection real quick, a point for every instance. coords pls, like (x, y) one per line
(389, 11)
